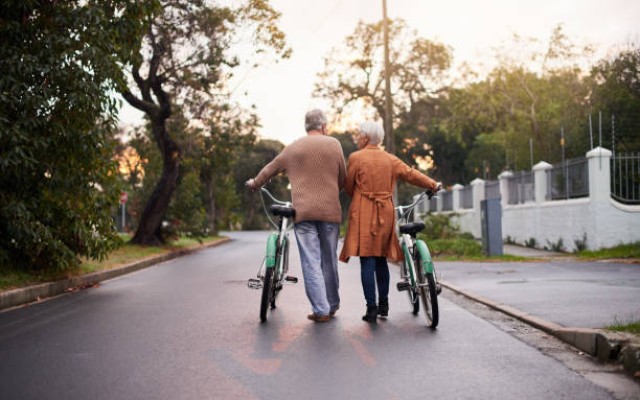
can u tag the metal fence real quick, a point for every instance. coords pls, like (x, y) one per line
(492, 190)
(521, 188)
(433, 204)
(466, 197)
(447, 201)
(569, 180)
(625, 178)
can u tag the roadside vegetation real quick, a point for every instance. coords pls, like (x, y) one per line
(624, 251)
(447, 243)
(125, 254)
(625, 326)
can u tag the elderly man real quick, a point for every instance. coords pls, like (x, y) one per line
(316, 169)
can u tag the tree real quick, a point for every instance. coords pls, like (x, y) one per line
(183, 63)
(262, 153)
(354, 75)
(615, 85)
(57, 114)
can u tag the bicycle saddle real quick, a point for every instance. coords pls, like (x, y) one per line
(412, 228)
(282, 211)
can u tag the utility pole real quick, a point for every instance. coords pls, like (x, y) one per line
(388, 109)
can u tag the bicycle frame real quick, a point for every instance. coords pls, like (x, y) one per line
(277, 240)
(273, 270)
(418, 280)
(409, 247)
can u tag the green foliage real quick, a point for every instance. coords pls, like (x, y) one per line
(622, 251)
(581, 244)
(57, 179)
(616, 92)
(531, 242)
(439, 226)
(557, 246)
(509, 240)
(248, 167)
(458, 247)
(630, 326)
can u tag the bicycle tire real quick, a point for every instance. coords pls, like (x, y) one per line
(279, 276)
(267, 293)
(428, 294)
(414, 303)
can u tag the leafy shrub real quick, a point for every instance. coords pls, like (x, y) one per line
(581, 244)
(509, 240)
(439, 227)
(455, 247)
(530, 243)
(557, 246)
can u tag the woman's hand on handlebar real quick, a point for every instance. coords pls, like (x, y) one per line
(432, 192)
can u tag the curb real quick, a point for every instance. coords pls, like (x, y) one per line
(21, 296)
(607, 346)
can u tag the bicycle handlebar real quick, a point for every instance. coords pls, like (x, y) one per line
(264, 190)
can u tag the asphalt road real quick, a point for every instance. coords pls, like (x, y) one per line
(189, 329)
(572, 294)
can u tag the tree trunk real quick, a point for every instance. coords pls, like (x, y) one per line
(212, 207)
(149, 228)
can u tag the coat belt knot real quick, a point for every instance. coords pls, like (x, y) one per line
(379, 199)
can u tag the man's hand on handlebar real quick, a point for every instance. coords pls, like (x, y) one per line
(251, 184)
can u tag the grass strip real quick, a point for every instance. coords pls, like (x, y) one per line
(125, 254)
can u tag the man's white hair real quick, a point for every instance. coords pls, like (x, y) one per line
(373, 130)
(314, 119)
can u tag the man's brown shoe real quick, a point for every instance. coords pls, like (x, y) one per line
(319, 318)
(332, 313)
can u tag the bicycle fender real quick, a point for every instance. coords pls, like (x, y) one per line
(272, 246)
(425, 256)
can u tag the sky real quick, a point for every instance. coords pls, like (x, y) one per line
(282, 92)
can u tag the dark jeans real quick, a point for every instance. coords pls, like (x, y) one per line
(372, 270)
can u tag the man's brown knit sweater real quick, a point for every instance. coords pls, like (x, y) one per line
(316, 169)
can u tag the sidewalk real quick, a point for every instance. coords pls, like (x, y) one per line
(521, 251)
(563, 297)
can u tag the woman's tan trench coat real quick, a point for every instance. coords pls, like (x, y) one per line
(371, 175)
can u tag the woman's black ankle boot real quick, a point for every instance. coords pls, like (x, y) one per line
(383, 308)
(371, 315)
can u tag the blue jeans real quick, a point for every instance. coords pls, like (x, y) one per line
(317, 243)
(372, 270)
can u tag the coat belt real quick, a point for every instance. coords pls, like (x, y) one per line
(379, 200)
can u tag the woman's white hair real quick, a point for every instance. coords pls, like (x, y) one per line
(373, 130)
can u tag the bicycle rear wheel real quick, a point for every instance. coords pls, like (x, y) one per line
(428, 294)
(268, 287)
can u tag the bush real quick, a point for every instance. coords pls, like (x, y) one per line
(455, 247)
(530, 243)
(581, 244)
(439, 227)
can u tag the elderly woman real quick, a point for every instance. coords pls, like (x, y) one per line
(371, 176)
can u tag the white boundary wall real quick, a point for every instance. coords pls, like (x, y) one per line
(603, 221)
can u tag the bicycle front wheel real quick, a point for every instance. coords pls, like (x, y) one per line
(412, 293)
(428, 294)
(267, 292)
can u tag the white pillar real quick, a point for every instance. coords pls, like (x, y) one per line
(599, 174)
(479, 194)
(439, 202)
(504, 187)
(540, 181)
(456, 196)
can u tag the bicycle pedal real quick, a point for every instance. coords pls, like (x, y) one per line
(402, 286)
(291, 279)
(254, 284)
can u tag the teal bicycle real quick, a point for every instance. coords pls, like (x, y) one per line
(273, 271)
(418, 272)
